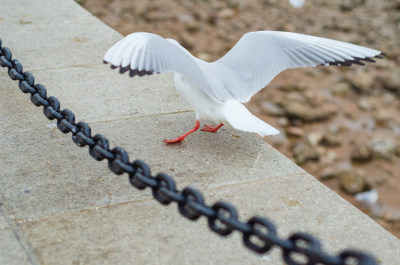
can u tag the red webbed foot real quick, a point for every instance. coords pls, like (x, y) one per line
(209, 128)
(182, 137)
(177, 140)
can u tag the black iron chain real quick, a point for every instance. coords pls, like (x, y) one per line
(259, 234)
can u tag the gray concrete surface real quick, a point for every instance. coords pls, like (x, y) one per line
(60, 206)
(11, 251)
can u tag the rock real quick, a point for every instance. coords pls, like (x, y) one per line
(315, 137)
(287, 27)
(183, 17)
(193, 26)
(375, 149)
(361, 153)
(278, 140)
(382, 116)
(271, 108)
(292, 87)
(303, 151)
(306, 112)
(383, 148)
(362, 82)
(334, 171)
(328, 173)
(342, 89)
(389, 99)
(295, 131)
(352, 181)
(226, 13)
(331, 157)
(366, 105)
(348, 5)
(328, 157)
(368, 197)
(283, 122)
(397, 152)
(392, 81)
(296, 97)
(296, 122)
(187, 40)
(378, 180)
(387, 212)
(204, 56)
(330, 139)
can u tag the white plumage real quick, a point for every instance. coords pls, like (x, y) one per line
(216, 90)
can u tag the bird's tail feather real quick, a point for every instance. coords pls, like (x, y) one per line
(240, 118)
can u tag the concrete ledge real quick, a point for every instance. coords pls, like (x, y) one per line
(58, 204)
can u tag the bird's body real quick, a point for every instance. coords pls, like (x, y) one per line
(203, 105)
(231, 112)
(217, 90)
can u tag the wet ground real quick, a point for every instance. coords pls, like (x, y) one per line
(340, 124)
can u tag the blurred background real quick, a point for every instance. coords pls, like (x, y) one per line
(341, 124)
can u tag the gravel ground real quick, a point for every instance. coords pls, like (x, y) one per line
(340, 124)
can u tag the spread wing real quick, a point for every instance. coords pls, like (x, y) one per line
(146, 53)
(259, 56)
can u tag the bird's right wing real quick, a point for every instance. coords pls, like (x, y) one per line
(259, 56)
(144, 53)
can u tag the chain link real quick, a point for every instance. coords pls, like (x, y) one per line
(259, 234)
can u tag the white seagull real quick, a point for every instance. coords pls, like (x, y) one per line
(217, 90)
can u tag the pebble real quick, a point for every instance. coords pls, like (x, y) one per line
(342, 89)
(278, 140)
(368, 197)
(329, 157)
(392, 81)
(283, 122)
(362, 82)
(295, 131)
(352, 181)
(303, 151)
(383, 148)
(226, 13)
(375, 149)
(361, 153)
(328, 173)
(271, 108)
(382, 116)
(315, 137)
(331, 139)
(306, 112)
(293, 87)
(387, 212)
(366, 105)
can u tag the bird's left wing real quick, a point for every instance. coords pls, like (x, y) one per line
(144, 53)
(259, 56)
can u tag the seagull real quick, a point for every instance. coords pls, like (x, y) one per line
(216, 90)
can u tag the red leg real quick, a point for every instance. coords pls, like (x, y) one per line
(182, 137)
(209, 128)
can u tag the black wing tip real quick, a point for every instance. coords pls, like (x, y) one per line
(368, 59)
(381, 55)
(122, 70)
(132, 72)
(140, 73)
(356, 60)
